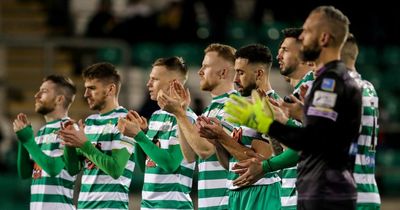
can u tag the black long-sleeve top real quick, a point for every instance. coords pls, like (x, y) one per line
(332, 114)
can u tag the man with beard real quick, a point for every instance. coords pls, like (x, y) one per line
(216, 76)
(331, 117)
(253, 63)
(364, 148)
(107, 156)
(52, 185)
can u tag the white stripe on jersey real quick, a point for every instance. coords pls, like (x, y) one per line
(289, 201)
(210, 166)
(167, 196)
(116, 114)
(212, 184)
(369, 101)
(367, 120)
(368, 198)
(103, 196)
(288, 182)
(105, 179)
(364, 178)
(168, 179)
(51, 205)
(63, 174)
(213, 201)
(51, 190)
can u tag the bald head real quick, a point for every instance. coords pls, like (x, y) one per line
(334, 22)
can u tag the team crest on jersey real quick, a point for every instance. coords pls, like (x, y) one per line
(328, 84)
(88, 163)
(37, 171)
(149, 162)
(109, 127)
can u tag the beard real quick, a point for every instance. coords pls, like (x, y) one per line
(246, 91)
(99, 104)
(310, 53)
(44, 110)
(287, 71)
(206, 86)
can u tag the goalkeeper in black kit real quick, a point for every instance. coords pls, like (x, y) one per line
(331, 117)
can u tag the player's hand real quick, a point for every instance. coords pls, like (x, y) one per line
(73, 137)
(20, 122)
(256, 114)
(128, 128)
(169, 104)
(134, 116)
(178, 92)
(211, 128)
(295, 109)
(250, 170)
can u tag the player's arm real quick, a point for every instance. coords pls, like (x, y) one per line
(140, 158)
(169, 160)
(24, 131)
(113, 164)
(72, 161)
(187, 151)
(286, 159)
(200, 146)
(24, 164)
(222, 156)
(52, 165)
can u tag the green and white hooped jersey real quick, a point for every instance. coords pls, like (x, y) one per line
(212, 183)
(248, 135)
(365, 147)
(99, 190)
(161, 189)
(289, 175)
(51, 192)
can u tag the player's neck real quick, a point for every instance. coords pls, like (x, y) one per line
(55, 115)
(109, 106)
(221, 89)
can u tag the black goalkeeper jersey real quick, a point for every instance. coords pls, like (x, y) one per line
(332, 113)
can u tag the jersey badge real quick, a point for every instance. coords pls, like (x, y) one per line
(328, 84)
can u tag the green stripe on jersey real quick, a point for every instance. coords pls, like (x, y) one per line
(365, 147)
(99, 190)
(161, 189)
(289, 175)
(51, 192)
(212, 181)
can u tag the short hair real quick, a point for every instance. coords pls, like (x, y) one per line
(174, 63)
(337, 20)
(350, 49)
(255, 53)
(105, 72)
(225, 51)
(64, 86)
(292, 33)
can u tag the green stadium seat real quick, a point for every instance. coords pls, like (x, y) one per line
(270, 34)
(192, 53)
(144, 54)
(112, 55)
(240, 33)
